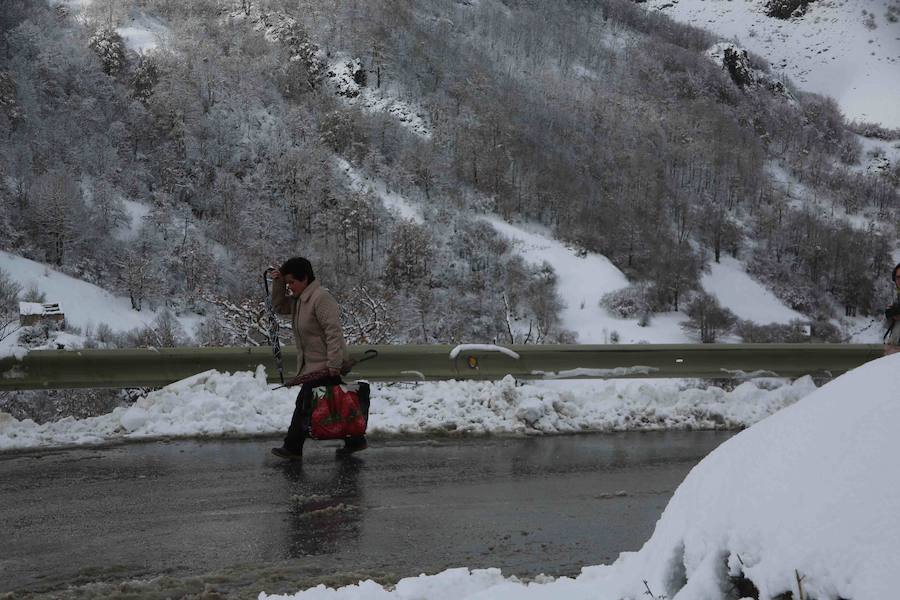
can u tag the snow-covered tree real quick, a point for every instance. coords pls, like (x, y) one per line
(140, 273)
(54, 206)
(707, 318)
(9, 296)
(144, 78)
(367, 317)
(107, 209)
(109, 47)
(9, 105)
(408, 257)
(164, 332)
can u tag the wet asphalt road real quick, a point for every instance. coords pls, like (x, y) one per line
(190, 518)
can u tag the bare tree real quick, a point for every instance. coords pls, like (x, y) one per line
(9, 295)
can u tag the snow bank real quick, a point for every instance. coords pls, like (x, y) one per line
(216, 404)
(811, 492)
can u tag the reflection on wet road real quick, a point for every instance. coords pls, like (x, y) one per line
(178, 518)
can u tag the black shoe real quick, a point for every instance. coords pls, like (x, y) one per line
(283, 452)
(352, 446)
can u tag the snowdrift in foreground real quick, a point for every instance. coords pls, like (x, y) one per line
(811, 491)
(215, 404)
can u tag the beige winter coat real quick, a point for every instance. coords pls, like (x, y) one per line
(316, 321)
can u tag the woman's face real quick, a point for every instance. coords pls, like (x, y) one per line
(295, 286)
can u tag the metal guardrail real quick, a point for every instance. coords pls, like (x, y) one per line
(61, 369)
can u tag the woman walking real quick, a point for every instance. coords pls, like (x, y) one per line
(316, 322)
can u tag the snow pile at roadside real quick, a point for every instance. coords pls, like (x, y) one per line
(216, 404)
(571, 406)
(809, 493)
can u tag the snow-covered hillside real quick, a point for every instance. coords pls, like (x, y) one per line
(373, 99)
(800, 196)
(84, 304)
(729, 282)
(845, 49)
(583, 278)
(142, 33)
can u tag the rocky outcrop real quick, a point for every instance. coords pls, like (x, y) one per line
(348, 77)
(786, 9)
(743, 72)
(738, 64)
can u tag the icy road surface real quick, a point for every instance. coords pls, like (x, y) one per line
(178, 517)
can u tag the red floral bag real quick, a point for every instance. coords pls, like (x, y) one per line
(337, 412)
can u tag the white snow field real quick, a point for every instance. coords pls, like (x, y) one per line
(84, 304)
(809, 493)
(845, 49)
(729, 282)
(144, 33)
(581, 282)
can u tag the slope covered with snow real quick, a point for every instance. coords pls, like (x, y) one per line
(141, 33)
(84, 304)
(735, 290)
(840, 48)
(583, 278)
(144, 33)
(581, 281)
(802, 502)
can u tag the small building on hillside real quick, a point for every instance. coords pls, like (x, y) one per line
(37, 313)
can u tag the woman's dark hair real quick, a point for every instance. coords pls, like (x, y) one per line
(299, 268)
(894, 273)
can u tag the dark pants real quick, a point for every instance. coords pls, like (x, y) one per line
(303, 408)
